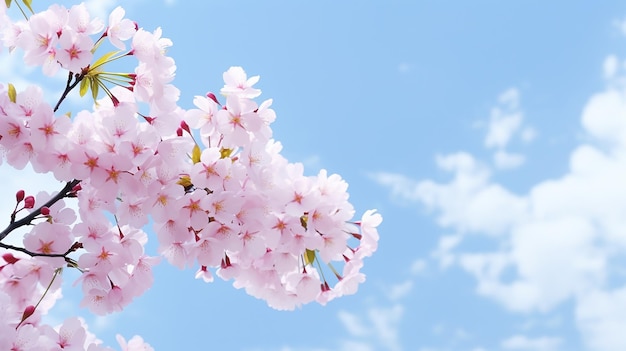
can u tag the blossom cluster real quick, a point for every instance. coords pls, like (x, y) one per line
(208, 183)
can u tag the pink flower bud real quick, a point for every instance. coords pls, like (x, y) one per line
(179, 132)
(45, 211)
(19, 196)
(29, 201)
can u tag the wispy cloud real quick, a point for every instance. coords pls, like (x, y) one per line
(506, 121)
(398, 291)
(521, 342)
(353, 324)
(404, 67)
(101, 8)
(377, 329)
(419, 266)
(555, 242)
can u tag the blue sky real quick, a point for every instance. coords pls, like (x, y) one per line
(490, 135)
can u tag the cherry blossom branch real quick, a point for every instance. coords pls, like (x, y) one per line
(67, 189)
(68, 87)
(73, 248)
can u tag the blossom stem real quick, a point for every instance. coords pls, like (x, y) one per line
(56, 272)
(21, 10)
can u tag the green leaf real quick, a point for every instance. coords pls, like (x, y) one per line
(12, 93)
(102, 60)
(95, 88)
(28, 3)
(309, 256)
(195, 154)
(84, 86)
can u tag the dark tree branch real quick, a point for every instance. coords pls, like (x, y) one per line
(28, 219)
(69, 86)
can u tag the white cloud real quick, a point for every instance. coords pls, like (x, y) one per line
(101, 8)
(505, 123)
(554, 243)
(312, 164)
(401, 186)
(528, 134)
(103, 323)
(418, 267)
(443, 253)
(398, 291)
(509, 98)
(404, 67)
(469, 201)
(521, 342)
(542, 322)
(349, 345)
(603, 117)
(502, 126)
(353, 324)
(377, 330)
(288, 348)
(506, 160)
(385, 322)
(610, 66)
(601, 316)
(13, 70)
(620, 25)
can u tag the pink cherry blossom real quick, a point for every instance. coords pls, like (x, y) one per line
(120, 28)
(71, 335)
(219, 195)
(237, 82)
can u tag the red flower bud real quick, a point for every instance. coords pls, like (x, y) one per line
(179, 132)
(29, 201)
(19, 196)
(9, 258)
(77, 188)
(149, 119)
(212, 97)
(185, 126)
(28, 311)
(45, 211)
